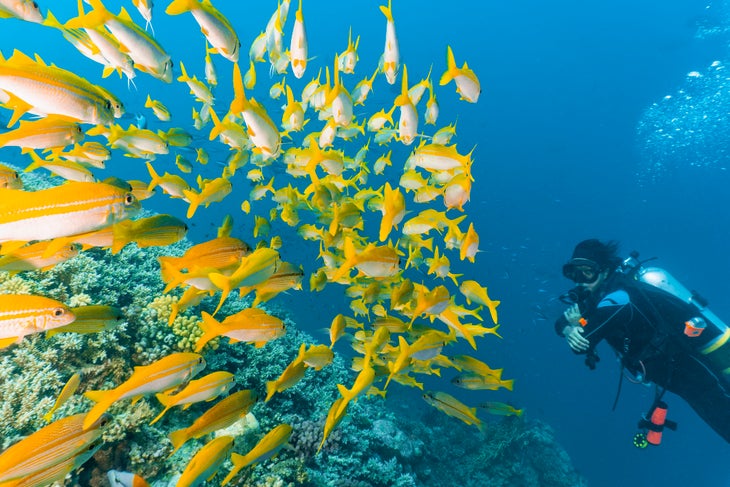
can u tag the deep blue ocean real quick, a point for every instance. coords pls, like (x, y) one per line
(566, 149)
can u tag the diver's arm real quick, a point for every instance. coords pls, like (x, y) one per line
(568, 326)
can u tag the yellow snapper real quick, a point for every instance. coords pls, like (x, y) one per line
(453, 407)
(154, 231)
(45, 133)
(22, 315)
(91, 319)
(62, 211)
(50, 445)
(266, 448)
(390, 60)
(215, 26)
(204, 389)
(27, 10)
(147, 54)
(261, 129)
(68, 390)
(467, 83)
(58, 471)
(161, 375)
(33, 257)
(298, 49)
(205, 464)
(9, 178)
(250, 325)
(35, 87)
(224, 413)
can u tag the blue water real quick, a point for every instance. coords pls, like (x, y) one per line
(559, 159)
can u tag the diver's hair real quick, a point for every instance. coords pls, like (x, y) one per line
(605, 254)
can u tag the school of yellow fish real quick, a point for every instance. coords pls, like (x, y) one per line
(400, 327)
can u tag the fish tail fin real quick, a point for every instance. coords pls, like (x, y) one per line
(451, 68)
(104, 400)
(169, 273)
(270, 390)
(165, 402)
(224, 284)
(156, 179)
(98, 16)
(178, 7)
(178, 439)
(239, 102)
(387, 11)
(217, 125)
(52, 21)
(123, 234)
(209, 326)
(194, 200)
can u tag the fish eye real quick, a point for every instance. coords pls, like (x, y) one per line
(59, 312)
(129, 199)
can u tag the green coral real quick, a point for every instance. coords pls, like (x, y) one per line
(188, 329)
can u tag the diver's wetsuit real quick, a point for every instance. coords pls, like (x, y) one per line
(645, 326)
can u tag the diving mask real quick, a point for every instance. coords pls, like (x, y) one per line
(581, 271)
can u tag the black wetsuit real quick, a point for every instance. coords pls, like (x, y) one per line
(645, 327)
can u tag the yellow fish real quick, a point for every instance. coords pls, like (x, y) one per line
(390, 61)
(291, 375)
(50, 445)
(68, 390)
(204, 389)
(22, 315)
(147, 54)
(453, 407)
(161, 375)
(27, 10)
(298, 49)
(251, 325)
(9, 178)
(160, 110)
(266, 448)
(476, 382)
(472, 291)
(210, 192)
(46, 133)
(500, 409)
(215, 26)
(153, 231)
(467, 83)
(91, 319)
(61, 211)
(38, 88)
(34, 256)
(254, 269)
(262, 131)
(205, 464)
(224, 413)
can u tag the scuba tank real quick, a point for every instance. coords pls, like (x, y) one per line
(706, 332)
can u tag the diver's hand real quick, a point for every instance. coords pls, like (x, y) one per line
(572, 315)
(575, 339)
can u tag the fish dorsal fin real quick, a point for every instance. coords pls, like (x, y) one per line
(20, 57)
(124, 16)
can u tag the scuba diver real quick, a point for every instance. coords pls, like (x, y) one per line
(661, 332)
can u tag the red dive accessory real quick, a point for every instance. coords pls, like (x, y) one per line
(654, 425)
